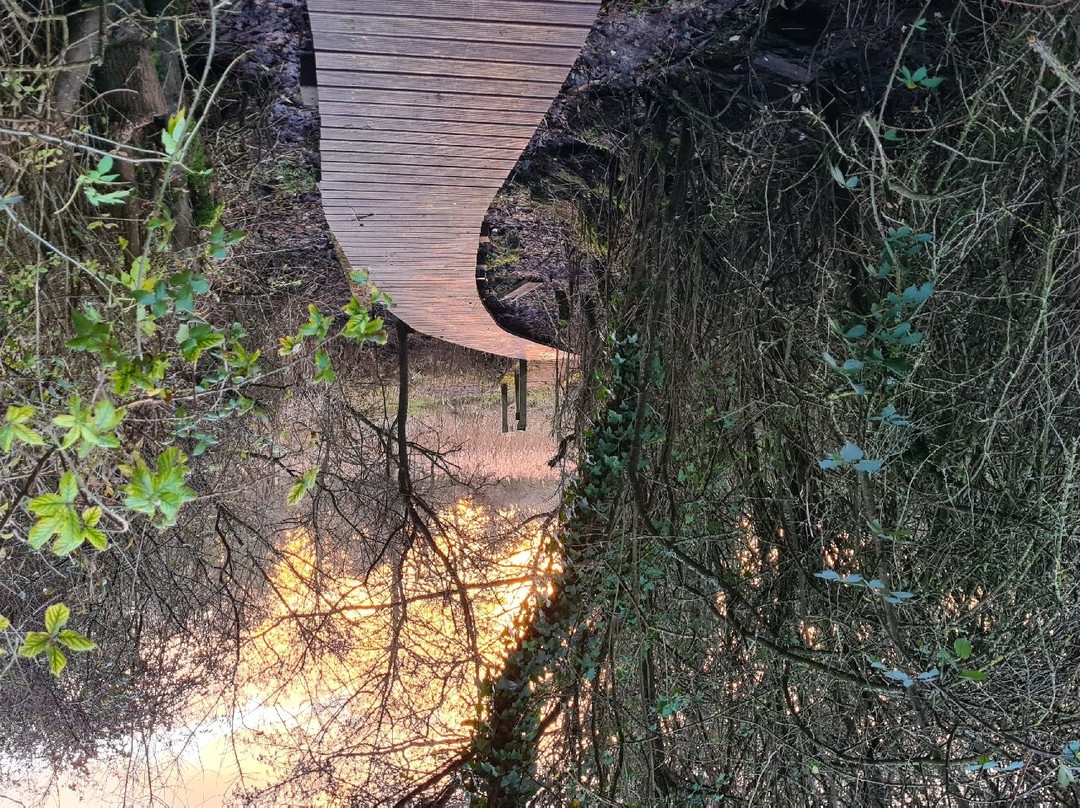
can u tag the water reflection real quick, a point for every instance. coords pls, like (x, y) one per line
(350, 684)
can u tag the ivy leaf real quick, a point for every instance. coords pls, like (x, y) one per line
(302, 486)
(56, 617)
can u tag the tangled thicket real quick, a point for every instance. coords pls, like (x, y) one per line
(843, 569)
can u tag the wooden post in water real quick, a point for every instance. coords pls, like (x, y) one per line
(523, 394)
(517, 394)
(505, 406)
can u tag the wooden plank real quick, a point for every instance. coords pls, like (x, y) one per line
(444, 68)
(411, 112)
(330, 137)
(478, 51)
(446, 182)
(336, 197)
(433, 98)
(421, 159)
(433, 197)
(416, 143)
(375, 80)
(337, 123)
(427, 174)
(466, 30)
(548, 12)
(345, 151)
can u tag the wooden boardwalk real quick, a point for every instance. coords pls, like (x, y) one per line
(426, 106)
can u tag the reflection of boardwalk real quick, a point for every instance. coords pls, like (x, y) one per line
(426, 105)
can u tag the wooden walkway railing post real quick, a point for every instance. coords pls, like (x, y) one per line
(505, 407)
(522, 390)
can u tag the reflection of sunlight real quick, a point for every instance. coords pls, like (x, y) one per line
(345, 682)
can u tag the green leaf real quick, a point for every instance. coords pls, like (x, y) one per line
(107, 417)
(193, 340)
(1071, 752)
(5, 624)
(97, 199)
(56, 658)
(161, 490)
(34, 643)
(973, 676)
(15, 427)
(962, 648)
(19, 415)
(851, 453)
(289, 345)
(76, 641)
(318, 324)
(324, 372)
(56, 617)
(173, 133)
(869, 466)
(1065, 776)
(931, 83)
(302, 486)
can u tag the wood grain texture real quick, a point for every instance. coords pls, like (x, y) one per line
(426, 106)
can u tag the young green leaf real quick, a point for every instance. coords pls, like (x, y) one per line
(56, 617)
(15, 427)
(324, 371)
(75, 641)
(158, 491)
(302, 486)
(57, 660)
(34, 643)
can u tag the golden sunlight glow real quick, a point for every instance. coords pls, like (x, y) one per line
(337, 669)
